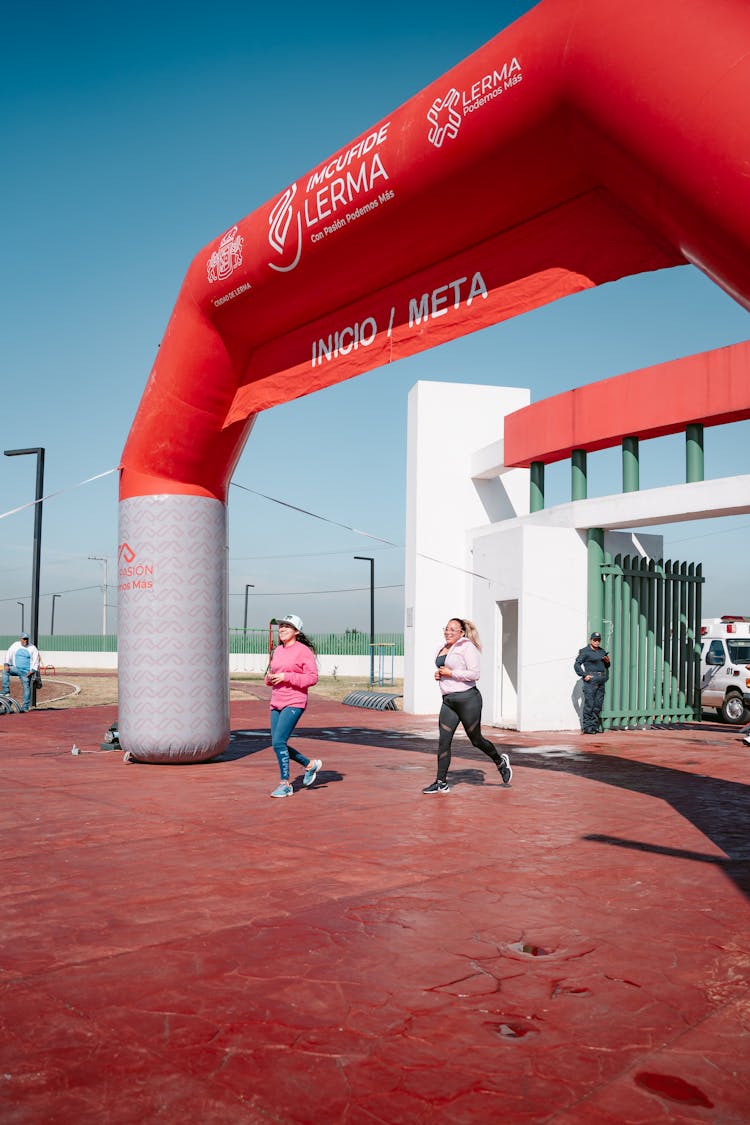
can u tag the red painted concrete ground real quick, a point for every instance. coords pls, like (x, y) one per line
(178, 947)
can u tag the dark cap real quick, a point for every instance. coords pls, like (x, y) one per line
(595, 637)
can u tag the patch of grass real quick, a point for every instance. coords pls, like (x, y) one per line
(82, 687)
(332, 687)
(337, 687)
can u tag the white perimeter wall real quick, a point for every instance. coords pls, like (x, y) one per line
(327, 665)
(447, 423)
(544, 570)
(97, 660)
(238, 663)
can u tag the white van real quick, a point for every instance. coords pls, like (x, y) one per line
(725, 667)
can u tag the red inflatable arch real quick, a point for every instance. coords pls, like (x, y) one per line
(590, 140)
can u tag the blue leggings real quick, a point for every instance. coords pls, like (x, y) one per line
(283, 723)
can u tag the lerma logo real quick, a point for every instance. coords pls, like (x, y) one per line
(444, 118)
(126, 553)
(280, 219)
(224, 261)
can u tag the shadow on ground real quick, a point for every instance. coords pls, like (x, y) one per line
(718, 808)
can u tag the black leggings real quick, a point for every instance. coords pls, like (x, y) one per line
(463, 707)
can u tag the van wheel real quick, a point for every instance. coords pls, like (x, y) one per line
(733, 708)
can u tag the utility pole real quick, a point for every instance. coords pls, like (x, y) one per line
(100, 558)
(52, 617)
(366, 558)
(37, 557)
(248, 586)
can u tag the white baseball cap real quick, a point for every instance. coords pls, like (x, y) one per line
(293, 620)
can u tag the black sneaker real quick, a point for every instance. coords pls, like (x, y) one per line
(506, 771)
(438, 787)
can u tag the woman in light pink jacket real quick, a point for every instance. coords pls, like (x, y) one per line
(457, 672)
(292, 671)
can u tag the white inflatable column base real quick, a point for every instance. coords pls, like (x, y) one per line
(172, 628)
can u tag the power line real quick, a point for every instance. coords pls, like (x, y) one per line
(317, 593)
(313, 515)
(74, 590)
(710, 534)
(306, 554)
(357, 531)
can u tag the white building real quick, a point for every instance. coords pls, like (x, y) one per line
(474, 551)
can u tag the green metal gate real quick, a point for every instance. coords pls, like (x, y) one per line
(651, 627)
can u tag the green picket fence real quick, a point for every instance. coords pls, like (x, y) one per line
(652, 615)
(63, 642)
(240, 641)
(327, 644)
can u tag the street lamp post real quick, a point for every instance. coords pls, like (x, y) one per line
(101, 559)
(22, 612)
(366, 558)
(248, 586)
(52, 618)
(37, 557)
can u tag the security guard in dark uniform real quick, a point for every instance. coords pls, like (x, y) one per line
(592, 665)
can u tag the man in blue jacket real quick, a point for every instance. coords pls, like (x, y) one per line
(592, 665)
(22, 660)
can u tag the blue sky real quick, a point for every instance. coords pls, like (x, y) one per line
(132, 136)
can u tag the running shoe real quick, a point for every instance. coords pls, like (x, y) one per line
(311, 771)
(438, 787)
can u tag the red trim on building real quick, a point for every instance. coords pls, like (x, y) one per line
(709, 388)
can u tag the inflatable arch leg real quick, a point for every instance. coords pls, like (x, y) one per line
(172, 628)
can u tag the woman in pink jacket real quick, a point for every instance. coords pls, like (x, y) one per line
(291, 673)
(457, 664)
